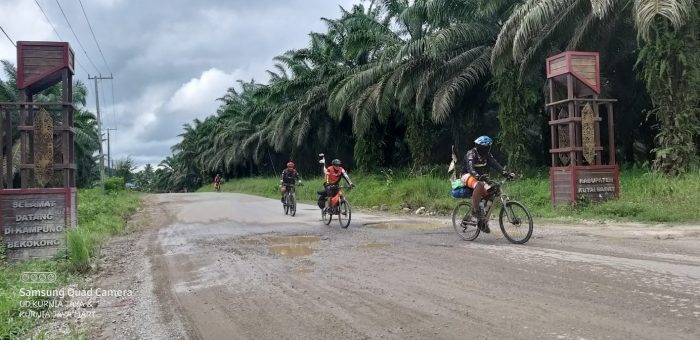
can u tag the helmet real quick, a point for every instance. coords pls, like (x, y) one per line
(291, 165)
(484, 141)
(337, 162)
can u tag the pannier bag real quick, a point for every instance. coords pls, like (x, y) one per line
(462, 192)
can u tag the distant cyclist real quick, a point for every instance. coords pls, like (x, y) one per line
(475, 170)
(217, 182)
(288, 178)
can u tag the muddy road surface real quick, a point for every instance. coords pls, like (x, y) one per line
(230, 266)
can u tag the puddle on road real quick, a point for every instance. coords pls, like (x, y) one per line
(291, 250)
(303, 239)
(286, 246)
(373, 246)
(405, 226)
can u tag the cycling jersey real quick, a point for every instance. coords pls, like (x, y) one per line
(289, 176)
(333, 176)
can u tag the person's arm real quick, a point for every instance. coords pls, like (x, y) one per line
(347, 178)
(469, 164)
(282, 177)
(494, 163)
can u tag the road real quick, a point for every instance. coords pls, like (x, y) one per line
(229, 266)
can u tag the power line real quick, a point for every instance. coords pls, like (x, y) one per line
(103, 100)
(56, 31)
(76, 37)
(93, 36)
(49, 20)
(8, 37)
(114, 116)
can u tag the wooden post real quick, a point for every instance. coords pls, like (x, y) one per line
(552, 128)
(8, 146)
(572, 109)
(65, 134)
(611, 135)
(24, 140)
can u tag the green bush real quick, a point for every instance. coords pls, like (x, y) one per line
(114, 184)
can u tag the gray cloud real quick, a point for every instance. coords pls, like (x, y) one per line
(171, 58)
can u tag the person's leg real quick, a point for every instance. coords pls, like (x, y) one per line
(477, 195)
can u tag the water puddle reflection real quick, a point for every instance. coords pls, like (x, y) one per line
(286, 246)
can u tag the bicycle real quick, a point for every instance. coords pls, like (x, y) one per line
(519, 224)
(338, 206)
(290, 199)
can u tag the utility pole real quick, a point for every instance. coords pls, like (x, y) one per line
(99, 128)
(109, 152)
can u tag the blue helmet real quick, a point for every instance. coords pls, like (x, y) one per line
(484, 141)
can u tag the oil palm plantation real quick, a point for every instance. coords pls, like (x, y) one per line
(389, 81)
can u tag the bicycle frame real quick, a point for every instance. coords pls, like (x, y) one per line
(502, 198)
(290, 189)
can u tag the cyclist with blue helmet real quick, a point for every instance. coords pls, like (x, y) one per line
(474, 172)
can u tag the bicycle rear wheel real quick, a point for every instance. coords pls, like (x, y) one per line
(462, 221)
(516, 222)
(345, 213)
(292, 204)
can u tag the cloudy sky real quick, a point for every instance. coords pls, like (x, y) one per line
(170, 59)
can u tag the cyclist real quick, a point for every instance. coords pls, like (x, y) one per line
(475, 173)
(217, 182)
(332, 177)
(288, 178)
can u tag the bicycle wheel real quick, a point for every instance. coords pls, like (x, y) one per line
(463, 222)
(345, 214)
(327, 215)
(292, 204)
(516, 222)
(285, 205)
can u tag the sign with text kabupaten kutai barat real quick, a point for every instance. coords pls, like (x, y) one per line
(582, 168)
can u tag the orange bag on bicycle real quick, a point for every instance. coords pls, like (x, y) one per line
(335, 199)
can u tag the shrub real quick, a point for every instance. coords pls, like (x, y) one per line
(78, 251)
(114, 184)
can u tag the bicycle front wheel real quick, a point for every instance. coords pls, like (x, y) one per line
(463, 222)
(292, 205)
(327, 215)
(516, 222)
(344, 214)
(285, 205)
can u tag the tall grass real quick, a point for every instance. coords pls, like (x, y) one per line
(99, 217)
(644, 196)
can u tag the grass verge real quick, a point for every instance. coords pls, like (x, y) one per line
(644, 197)
(99, 216)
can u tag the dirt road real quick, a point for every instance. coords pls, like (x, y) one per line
(228, 266)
